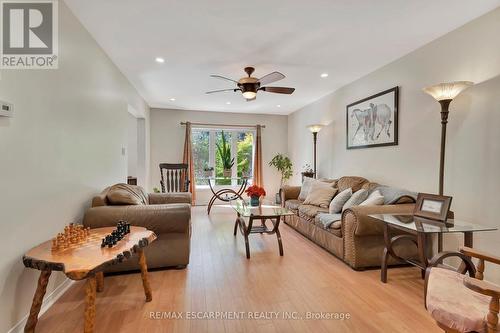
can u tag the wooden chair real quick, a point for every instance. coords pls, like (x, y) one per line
(461, 303)
(174, 177)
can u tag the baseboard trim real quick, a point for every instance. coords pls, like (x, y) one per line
(48, 301)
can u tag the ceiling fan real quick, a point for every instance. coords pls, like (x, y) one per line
(249, 86)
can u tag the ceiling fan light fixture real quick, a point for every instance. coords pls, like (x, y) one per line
(249, 94)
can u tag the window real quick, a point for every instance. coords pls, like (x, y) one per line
(206, 155)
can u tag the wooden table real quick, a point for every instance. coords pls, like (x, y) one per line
(86, 260)
(418, 231)
(264, 212)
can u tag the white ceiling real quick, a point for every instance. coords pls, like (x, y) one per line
(301, 39)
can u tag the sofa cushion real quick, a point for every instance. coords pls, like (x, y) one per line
(326, 221)
(320, 195)
(293, 204)
(356, 198)
(374, 199)
(308, 212)
(352, 182)
(124, 194)
(338, 202)
(451, 303)
(336, 228)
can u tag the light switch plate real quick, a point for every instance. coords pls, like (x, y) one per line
(6, 109)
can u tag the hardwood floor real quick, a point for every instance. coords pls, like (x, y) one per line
(220, 278)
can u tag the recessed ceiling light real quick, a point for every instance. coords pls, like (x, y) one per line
(278, 106)
(172, 99)
(228, 103)
(323, 75)
(160, 60)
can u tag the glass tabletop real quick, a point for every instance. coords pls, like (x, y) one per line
(222, 178)
(419, 224)
(266, 208)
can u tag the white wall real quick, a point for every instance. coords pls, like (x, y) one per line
(167, 140)
(472, 52)
(62, 147)
(132, 145)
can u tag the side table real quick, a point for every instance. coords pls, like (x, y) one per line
(86, 260)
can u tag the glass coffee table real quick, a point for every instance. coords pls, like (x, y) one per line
(418, 229)
(266, 211)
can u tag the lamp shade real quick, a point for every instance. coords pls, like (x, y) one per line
(315, 128)
(443, 91)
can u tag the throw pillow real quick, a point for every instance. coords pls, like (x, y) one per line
(307, 184)
(374, 199)
(339, 201)
(320, 195)
(124, 194)
(394, 195)
(357, 198)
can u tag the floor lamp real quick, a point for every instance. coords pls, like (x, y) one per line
(444, 93)
(315, 130)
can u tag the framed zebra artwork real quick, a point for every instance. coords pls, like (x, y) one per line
(373, 121)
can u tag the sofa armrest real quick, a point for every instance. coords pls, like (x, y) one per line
(356, 221)
(171, 218)
(289, 192)
(169, 198)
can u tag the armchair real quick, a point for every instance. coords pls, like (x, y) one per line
(167, 214)
(461, 303)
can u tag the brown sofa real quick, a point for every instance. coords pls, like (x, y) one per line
(356, 239)
(167, 214)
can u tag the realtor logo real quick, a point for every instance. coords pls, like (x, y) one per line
(29, 36)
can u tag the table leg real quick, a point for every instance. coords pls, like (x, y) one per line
(247, 246)
(421, 252)
(236, 226)
(144, 275)
(37, 301)
(385, 255)
(280, 245)
(468, 239)
(90, 295)
(440, 243)
(99, 281)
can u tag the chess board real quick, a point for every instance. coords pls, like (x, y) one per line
(79, 260)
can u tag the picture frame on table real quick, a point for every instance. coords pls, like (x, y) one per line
(432, 206)
(373, 121)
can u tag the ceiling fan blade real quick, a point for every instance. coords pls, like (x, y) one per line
(270, 78)
(222, 90)
(278, 90)
(223, 78)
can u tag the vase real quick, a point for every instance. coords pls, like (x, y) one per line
(254, 201)
(227, 173)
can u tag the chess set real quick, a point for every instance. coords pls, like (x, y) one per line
(73, 234)
(122, 229)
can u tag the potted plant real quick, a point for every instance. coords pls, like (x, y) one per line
(255, 192)
(224, 150)
(284, 166)
(208, 171)
(307, 172)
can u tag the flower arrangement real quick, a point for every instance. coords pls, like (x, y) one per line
(255, 191)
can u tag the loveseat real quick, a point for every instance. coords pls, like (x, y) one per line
(355, 238)
(167, 214)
